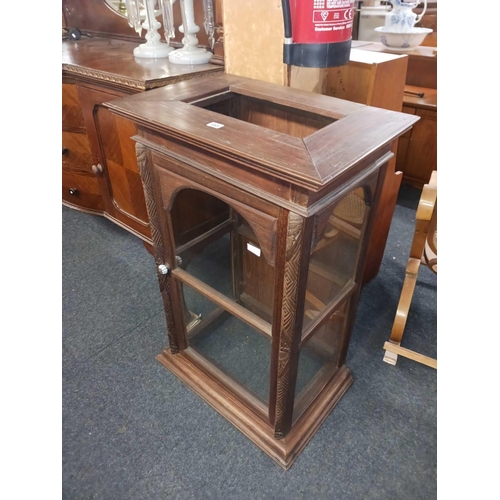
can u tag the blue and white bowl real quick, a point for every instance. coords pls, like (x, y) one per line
(402, 41)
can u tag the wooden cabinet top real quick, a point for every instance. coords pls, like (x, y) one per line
(426, 100)
(422, 62)
(309, 140)
(112, 62)
(421, 51)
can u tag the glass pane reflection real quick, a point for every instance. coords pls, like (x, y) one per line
(234, 347)
(216, 248)
(334, 257)
(318, 359)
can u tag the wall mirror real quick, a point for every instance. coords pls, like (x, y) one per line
(119, 6)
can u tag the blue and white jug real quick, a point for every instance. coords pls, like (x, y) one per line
(401, 18)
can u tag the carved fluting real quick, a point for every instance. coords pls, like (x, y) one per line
(163, 279)
(99, 75)
(145, 173)
(290, 287)
(127, 82)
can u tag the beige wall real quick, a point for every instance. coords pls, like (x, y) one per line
(253, 39)
(253, 46)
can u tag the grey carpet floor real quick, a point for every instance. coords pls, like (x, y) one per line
(132, 430)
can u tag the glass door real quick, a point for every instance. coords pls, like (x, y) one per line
(226, 282)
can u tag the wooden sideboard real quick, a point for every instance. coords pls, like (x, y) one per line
(99, 167)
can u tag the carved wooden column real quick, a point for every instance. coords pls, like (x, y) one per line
(293, 292)
(160, 255)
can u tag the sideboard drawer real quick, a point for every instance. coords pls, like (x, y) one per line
(82, 189)
(76, 152)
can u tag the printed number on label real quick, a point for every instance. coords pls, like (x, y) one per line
(215, 125)
(252, 248)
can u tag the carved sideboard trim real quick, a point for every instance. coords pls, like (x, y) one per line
(127, 82)
(100, 75)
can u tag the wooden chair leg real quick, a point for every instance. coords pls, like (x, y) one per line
(407, 353)
(425, 237)
(399, 324)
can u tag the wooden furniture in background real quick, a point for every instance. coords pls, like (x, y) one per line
(417, 149)
(429, 20)
(99, 167)
(277, 282)
(423, 250)
(417, 153)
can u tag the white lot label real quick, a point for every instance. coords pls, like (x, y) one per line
(215, 125)
(253, 249)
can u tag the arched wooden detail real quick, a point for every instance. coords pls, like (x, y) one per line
(263, 225)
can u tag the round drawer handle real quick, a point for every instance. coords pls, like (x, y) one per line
(73, 191)
(65, 150)
(97, 169)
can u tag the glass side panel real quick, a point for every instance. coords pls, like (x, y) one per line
(318, 359)
(221, 249)
(240, 351)
(335, 255)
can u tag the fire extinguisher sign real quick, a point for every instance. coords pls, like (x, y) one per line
(332, 15)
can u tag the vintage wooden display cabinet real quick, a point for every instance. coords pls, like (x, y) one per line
(260, 298)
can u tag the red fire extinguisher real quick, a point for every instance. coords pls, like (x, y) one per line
(318, 33)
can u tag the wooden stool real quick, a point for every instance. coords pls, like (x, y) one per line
(423, 250)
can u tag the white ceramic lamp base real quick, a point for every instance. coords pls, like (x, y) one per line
(153, 48)
(190, 55)
(153, 51)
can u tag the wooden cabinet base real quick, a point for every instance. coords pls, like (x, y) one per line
(284, 451)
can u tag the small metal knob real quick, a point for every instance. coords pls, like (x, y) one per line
(163, 269)
(97, 169)
(73, 191)
(64, 151)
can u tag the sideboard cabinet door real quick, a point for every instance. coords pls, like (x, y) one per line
(118, 174)
(80, 186)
